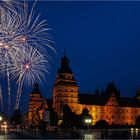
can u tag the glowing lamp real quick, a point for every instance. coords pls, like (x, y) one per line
(5, 126)
(1, 118)
(87, 120)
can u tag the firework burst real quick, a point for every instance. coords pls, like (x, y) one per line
(23, 41)
(30, 68)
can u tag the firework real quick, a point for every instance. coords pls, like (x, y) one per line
(30, 68)
(23, 41)
(35, 31)
(1, 99)
(11, 5)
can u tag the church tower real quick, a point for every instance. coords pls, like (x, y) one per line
(65, 89)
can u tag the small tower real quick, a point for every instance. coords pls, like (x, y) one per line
(112, 94)
(37, 105)
(138, 93)
(65, 89)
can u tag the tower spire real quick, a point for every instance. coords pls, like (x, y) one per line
(64, 51)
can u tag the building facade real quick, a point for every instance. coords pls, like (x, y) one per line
(37, 106)
(108, 105)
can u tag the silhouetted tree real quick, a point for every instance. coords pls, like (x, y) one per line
(101, 124)
(85, 115)
(138, 121)
(53, 117)
(67, 116)
(16, 118)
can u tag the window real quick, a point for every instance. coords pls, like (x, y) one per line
(71, 100)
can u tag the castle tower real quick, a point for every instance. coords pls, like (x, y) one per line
(37, 105)
(112, 94)
(65, 89)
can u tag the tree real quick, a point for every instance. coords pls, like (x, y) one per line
(67, 116)
(16, 118)
(53, 117)
(102, 124)
(85, 115)
(138, 121)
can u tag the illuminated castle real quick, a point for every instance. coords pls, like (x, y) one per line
(108, 106)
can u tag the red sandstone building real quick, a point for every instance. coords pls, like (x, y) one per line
(108, 105)
(37, 106)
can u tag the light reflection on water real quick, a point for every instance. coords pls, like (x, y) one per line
(134, 132)
(88, 137)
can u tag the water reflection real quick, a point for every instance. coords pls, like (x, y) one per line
(134, 133)
(88, 137)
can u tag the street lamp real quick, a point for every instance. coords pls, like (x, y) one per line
(88, 122)
(1, 122)
(1, 118)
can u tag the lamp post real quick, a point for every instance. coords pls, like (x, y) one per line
(1, 122)
(88, 122)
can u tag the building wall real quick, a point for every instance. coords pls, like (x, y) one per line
(111, 114)
(36, 103)
(65, 93)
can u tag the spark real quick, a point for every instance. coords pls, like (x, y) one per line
(27, 66)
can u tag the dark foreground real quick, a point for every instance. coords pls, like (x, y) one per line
(78, 134)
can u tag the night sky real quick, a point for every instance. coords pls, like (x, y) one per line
(102, 41)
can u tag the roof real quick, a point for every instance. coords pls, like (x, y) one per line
(65, 68)
(93, 99)
(90, 99)
(36, 89)
(130, 102)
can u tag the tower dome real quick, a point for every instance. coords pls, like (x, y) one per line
(36, 89)
(64, 68)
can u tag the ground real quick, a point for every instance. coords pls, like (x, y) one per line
(79, 134)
